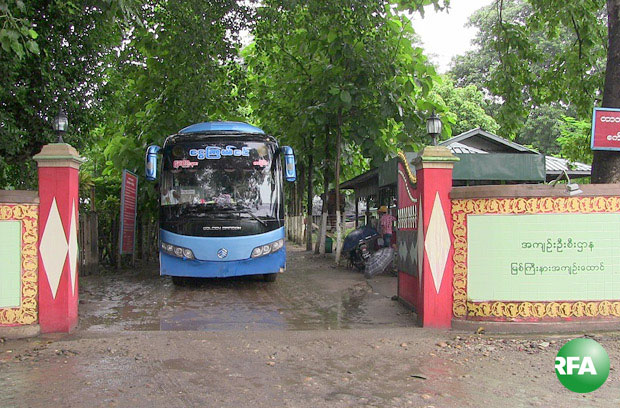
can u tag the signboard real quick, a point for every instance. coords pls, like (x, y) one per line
(543, 257)
(129, 202)
(606, 129)
(10, 273)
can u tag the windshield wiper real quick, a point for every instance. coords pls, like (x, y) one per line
(248, 212)
(251, 214)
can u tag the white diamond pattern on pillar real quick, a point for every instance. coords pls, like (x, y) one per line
(413, 254)
(437, 243)
(53, 248)
(420, 245)
(402, 251)
(73, 247)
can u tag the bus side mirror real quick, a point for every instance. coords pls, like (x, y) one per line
(289, 163)
(150, 162)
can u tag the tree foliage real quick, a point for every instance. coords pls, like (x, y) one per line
(535, 53)
(63, 69)
(177, 68)
(546, 51)
(575, 139)
(465, 107)
(333, 67)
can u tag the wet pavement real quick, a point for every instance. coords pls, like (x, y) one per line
(319, 336)
(311, 294)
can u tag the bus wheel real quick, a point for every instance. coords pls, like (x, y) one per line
(179, 280)
(270, 277)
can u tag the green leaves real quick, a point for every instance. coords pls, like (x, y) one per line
(17, 35)
(345, 97)
(356, 75)
(331, 36)
(537, 52)
(575, 139)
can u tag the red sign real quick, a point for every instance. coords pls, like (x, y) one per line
(606, 129)
(129, 203)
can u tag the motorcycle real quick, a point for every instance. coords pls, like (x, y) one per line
(359, 246)
(379, 262)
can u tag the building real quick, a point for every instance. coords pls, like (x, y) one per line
(484, 158)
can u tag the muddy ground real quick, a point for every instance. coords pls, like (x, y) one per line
(319, 336)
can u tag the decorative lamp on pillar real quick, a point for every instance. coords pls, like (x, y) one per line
(433, 127)
(60, 124)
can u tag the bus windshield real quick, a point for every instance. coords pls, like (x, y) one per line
(222, 177)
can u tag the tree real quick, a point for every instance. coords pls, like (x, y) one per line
(542, 128)
(340, 72)
(575, 139)
(465, 106)
(532, 53)
(586, 33)
(606, 164)
(63, 69)
(17, 35)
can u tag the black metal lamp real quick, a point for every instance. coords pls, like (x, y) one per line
(60, 124)
(433, 127)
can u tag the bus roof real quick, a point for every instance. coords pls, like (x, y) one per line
(208, 127)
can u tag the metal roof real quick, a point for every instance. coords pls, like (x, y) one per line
(208, 127)
(558, 164)
(503, 154)
(490, 140)
(553, 165)
(457, 147)
(371, 175)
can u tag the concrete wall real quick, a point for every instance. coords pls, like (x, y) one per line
(19, 235)
(535, 253)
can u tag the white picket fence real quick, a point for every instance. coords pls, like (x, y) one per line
(295, 228)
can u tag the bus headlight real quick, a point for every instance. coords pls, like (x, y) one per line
(277, 245)
(177, 251)
(267, 249)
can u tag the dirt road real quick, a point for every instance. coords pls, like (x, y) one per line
(318, 337)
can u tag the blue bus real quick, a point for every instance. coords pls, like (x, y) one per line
(221, 201)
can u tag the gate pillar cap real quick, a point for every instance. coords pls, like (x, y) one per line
(59, 155)
(436, 157)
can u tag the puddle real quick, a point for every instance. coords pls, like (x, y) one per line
(311, 295)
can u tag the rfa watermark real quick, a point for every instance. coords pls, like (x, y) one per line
(582, 365)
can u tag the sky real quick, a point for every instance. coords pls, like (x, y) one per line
(444, 34)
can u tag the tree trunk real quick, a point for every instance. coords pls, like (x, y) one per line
(337, 186)
(320, 247)
(309, 205)
(116, 249)
(291, 214)
(300, 203)
(323, 233)
(606, 164)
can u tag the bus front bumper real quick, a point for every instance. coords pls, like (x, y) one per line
(173, 266)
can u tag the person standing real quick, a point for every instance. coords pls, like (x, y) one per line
(386, 221)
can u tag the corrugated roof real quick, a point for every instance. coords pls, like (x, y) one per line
(456, 147)
(490, 138)
(557, 164)
(361, 179)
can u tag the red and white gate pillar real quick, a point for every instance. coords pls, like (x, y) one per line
(434, 181)
(58, 224)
